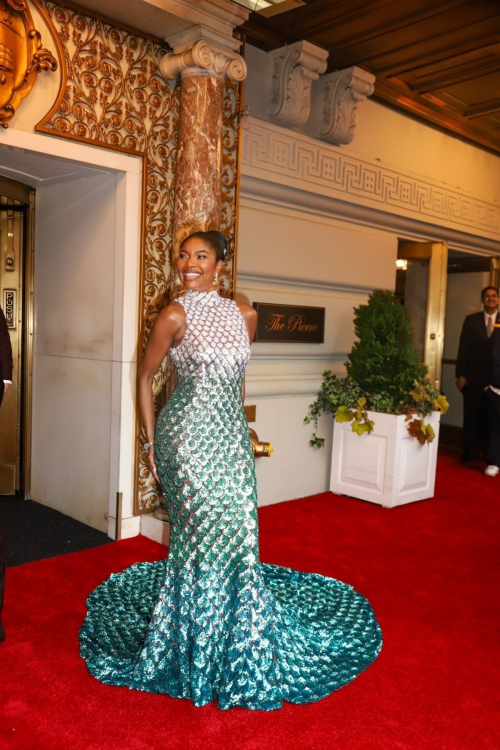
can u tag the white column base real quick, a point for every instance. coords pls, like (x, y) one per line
(130, 527)
(153, 528)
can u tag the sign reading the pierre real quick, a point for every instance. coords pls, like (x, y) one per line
(290, 323)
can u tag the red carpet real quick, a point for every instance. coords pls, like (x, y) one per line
(431, 571)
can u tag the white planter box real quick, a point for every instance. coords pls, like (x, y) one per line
(388, 467)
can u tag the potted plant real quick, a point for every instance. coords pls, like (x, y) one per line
(386, 411)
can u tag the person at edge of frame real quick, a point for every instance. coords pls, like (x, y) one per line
(6, 365)
(492, 391)
(472, 373)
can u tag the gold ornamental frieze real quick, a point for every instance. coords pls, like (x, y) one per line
(22, 56)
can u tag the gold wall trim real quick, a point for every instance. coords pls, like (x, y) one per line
(113, 96)
(19, 191)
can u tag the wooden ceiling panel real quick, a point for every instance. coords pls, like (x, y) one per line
(321, 14)
(431, 76)
(415, 45)
(477, 92)
(369, 23)
(438, 60)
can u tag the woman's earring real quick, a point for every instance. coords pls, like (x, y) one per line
(216, 280)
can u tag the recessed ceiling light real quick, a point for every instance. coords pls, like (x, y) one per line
(268, 8)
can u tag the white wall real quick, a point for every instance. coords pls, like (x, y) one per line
(73, 345)
(84, 371)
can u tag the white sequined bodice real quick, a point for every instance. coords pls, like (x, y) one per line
(216, 340)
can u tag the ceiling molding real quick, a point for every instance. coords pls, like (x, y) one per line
(280, 156)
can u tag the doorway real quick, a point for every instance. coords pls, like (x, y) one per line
(468, 274)
(421, 287)
(86, 242)
(16, 299)
(439, 287)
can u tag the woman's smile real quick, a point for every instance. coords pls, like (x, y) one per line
(197, 265)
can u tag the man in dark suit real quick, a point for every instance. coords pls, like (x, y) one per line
(5, 383)
(493, 397)
(472, 372)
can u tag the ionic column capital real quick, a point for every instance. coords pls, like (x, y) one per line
(340, 94)
(290, 73)
(201, 51)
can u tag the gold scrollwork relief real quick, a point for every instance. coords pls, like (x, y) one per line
(230, 174)
(22, 56)
(113, 95)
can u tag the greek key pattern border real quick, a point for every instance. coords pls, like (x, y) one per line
(293, 159)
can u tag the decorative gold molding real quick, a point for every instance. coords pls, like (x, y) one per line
(22, 56)
(114, 96)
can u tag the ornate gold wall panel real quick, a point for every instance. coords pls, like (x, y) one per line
(22, 56)
(114, 96)
(233, 98)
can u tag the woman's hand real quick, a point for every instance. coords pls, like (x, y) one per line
(151, 462)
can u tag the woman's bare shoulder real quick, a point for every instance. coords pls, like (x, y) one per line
(248, 312)
(172, 315)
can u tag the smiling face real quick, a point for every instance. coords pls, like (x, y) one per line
(490, 300)
(197, 265)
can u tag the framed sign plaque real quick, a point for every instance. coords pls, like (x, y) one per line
(291, 324)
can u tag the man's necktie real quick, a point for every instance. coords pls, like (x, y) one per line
(489, 327)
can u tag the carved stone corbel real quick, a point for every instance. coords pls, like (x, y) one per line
(200, 53)
(290, 73)
(22, 56)
(340, 94)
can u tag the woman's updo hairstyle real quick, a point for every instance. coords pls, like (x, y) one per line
(216, 240)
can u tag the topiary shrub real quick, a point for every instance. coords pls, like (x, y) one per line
(384, 374)
(384, 361)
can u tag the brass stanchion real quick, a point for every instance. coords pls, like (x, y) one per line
(118, 524)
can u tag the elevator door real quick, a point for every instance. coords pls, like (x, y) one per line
(421, 286)
(15, 226)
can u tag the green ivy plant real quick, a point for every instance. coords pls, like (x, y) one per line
(384, 374)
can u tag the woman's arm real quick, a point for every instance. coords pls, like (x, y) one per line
(168, 329)
(250, 317)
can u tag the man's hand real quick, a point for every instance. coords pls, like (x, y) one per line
(6, 387)
(461, 383)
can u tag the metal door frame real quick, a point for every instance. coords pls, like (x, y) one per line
(18, 191)
(435, 314)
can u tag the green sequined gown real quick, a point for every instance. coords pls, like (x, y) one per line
(213, 623)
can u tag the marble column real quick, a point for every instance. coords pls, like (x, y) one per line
(204, 64)
(204, 59)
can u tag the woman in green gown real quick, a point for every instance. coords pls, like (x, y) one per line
(213, 623)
